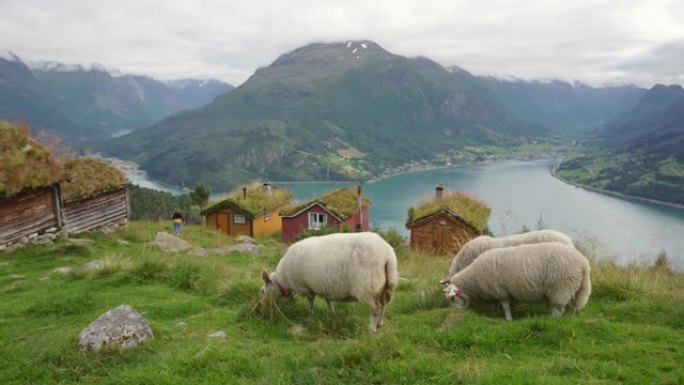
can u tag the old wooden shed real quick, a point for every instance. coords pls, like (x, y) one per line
(94, 196)
(443, 224)
(29, 185)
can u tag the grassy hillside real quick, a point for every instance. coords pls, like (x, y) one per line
(658, 176)
(630, 332)
(642, 150)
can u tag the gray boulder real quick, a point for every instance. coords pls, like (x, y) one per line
(249, 248)
(244, 239)
(167, 242)
(119, 327)
(199, 252)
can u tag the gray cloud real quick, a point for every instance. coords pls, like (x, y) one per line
(663, 64)
(601, 41)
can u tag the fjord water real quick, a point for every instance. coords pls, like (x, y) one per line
(523, 193)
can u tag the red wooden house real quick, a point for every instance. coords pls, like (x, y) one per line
(339, 208)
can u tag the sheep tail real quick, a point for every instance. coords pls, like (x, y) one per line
(391, 280)
(582, 295)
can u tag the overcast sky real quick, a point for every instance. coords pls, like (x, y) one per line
(598, 42)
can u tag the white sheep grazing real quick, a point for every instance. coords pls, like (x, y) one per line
(479, 245)
(338, 267)
(552, 271)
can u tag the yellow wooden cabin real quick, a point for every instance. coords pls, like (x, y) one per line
(253, 210)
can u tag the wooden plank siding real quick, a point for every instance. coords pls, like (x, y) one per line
(28, 214)
(441, 235)
(95, 212)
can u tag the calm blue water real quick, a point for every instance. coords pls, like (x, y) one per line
(523, 193)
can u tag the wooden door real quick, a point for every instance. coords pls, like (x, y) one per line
(223, 222)
(441, 237)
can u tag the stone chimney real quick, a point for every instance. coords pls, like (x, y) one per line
(439, 190)
(267, 188)
(244, 192)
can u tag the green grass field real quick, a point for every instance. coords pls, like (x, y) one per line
(632, 330)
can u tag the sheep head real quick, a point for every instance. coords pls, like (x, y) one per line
(271, 286)
(455, 297)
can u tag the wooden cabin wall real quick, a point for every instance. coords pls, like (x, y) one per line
(441, 235)
(96, 212)
(28, 214)
(264, 227)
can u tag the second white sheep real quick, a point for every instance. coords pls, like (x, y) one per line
(479, 245)
(553, 272)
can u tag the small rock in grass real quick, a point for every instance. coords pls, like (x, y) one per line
(297, 330)
(94, 265)
(218, 335)
(63, 270)
(17, 276)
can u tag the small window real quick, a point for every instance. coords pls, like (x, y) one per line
(239, 219)
(267, 215)
(316, 221)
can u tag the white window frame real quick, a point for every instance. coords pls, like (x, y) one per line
(239, 219)
(317, 220)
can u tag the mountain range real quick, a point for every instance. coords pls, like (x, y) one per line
(77, 102)
(353, 110)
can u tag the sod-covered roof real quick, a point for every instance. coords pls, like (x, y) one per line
(88, 177)
(465, 207)
(257, 199)
(24, 163)
(342, 202)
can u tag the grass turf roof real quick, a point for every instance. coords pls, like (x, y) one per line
(341, 202)
(471, 210)
(257, 199)
(24, 163)
(89, 177)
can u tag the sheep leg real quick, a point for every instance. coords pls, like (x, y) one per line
(556, 311)
(310, 302)
(331, 309)
(381, 321)
(374, 318)
(507, 309)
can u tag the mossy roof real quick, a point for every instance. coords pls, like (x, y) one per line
(24, 163)
(90, 176)
(256, 201)
(342, 202)
(469, 209)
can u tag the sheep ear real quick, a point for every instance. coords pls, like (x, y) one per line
(265, 277)
(445, 281)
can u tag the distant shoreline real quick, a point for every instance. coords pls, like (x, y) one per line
(555, 174)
